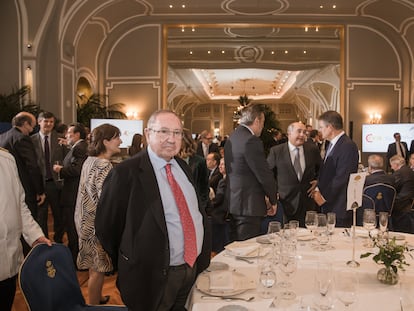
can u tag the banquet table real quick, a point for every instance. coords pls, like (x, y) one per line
(371, 294)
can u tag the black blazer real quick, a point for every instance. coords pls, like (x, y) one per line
(379, 177)
(211, 148)
(249, 177)
(404, 184)
(214, 179)
(392, 150)
(130, 224)
(57, 151)
(292, 192)
(71, 171)
(334, 176)
(200, 176)
(21, 147)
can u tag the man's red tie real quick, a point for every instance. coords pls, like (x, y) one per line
(190, 244)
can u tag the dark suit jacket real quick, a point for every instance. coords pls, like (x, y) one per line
(214, 179)
(404, 184)
(21, 147)
(292, 192)
(392, 150)
(211, 148)
(130, 224)
(57, 152)
(200, 176)
(334, 176)
(219, 207)
(249, 176)
(379, 177)
(72, 167)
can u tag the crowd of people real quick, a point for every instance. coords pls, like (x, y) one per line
(157, 217)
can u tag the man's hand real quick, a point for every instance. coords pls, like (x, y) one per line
(312, 187)
(318, 198)
(42, 239)
(40, 198)
(272, 210)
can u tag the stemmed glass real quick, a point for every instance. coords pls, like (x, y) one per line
(311, 221)
(369, 222)
(267, 279)
(273, 232)
(58, 173)
(288, 265)
(383, 222)
(321, 232)
(346, 286)
(331, 222)
(324, 282)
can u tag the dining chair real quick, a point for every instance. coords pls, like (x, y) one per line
(383, 196)
(48, 281)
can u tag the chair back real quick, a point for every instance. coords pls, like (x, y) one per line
(48, 279)
(383, 196)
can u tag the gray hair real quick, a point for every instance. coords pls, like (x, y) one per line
(250, 113)
(375, 161)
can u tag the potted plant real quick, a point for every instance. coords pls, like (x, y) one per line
(392, 256)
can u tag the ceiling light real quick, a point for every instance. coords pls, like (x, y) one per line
(304, 52)
(193, 29)
(286, 51)
(191, 52)
(321, 6)
(222, 52)
(306, 28)
(183, 6)
(182, 29)
(273, 52)
(317, 29)
(209, 52)
(334, 6)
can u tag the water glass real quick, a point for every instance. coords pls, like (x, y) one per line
(311, 220)
(267, 280)
(369, 222)
(321, 232)
(346, 287)
(324, 283)
(383, 221)
(331, 222)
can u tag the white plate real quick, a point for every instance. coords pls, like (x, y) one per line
(263, 240)
(217, 265)
(233, 308)
(240, 283)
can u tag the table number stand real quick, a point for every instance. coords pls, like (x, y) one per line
(353, 263)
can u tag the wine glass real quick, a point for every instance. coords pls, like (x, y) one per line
(331, 222)
(288, 265)
(324, 283)
(346, 286)
(383, 222)
(311, 220)
(267, 279)
(321, 232)
(58, 173)
(369, 222)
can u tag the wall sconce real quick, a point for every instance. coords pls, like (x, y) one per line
(132, 114)
(375, 118)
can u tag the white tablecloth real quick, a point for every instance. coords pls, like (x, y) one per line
(372, 294)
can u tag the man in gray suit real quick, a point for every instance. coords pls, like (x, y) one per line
(49, 151)
(295, 184)
(251, 184)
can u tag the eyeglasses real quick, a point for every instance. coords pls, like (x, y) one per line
(165, 133)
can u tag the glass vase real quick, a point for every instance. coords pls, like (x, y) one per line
(387, 276)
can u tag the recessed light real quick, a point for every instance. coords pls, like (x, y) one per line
(304, 52)
(222, 52)
(191, 52)
(171, 6)
(183, 6)
(286, 51)
(334, 6)
(273, 52)
(209, 52)
(321, 6)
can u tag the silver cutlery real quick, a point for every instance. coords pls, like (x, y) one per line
(228, 298)
(244, 259)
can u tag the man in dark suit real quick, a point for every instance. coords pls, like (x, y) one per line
(377, 173)
(398, 147)
(70, 172)
(402, 216)
(18, 143)
(206, 145)
(294, 187)
(250, 179)
(138, 222)
(212, 161)
(340, 162)
(49, 151)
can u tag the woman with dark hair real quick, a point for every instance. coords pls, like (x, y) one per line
(198, 167)
(136, 144)
(105, 141)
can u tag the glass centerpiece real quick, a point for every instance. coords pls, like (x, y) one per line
(392, 256)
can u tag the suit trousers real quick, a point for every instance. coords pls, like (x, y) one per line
(69, 224)
(179, 283)
(7, 292)
(244, 227)
(52, 200)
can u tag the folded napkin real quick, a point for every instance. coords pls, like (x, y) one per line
(221, 280)
(243, 249)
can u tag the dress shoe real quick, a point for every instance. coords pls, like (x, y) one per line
(104, 300)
